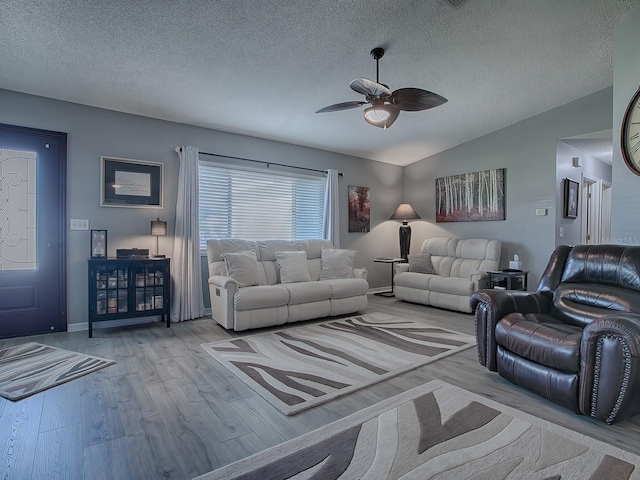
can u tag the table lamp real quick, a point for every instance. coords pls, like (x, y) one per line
(405, 212)
(158, 228)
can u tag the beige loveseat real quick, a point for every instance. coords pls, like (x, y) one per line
(460, 268)
(275, 297)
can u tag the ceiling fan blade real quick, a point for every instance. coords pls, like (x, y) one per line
(415, 99)
(368, 87)
(341, 106)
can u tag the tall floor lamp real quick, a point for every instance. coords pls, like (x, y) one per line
(405, 212)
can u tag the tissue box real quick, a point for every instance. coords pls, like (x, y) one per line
(513, 265)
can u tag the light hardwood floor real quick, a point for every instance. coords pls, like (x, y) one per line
(169, 410)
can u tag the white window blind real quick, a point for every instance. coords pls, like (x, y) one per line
(255, 205)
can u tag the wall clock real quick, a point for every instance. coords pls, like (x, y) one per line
(630, 135)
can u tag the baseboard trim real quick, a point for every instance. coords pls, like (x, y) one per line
(82, 326)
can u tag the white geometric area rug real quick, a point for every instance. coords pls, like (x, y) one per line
(302, 366)
(437, 431)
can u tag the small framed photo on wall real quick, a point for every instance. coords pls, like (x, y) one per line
(571, 190)
(98, 243)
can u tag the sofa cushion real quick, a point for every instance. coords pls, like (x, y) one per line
(216, 247)
(451, 285)
(243, 268)
(313, 247)
(337, 263)
(293, 267)
(541, 339)
(261, 296)
(267, 249)
(307, 292)
(347, 287)
(420, 263)
(414, 280)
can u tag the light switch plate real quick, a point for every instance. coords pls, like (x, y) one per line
(541, 211)
(79, 224)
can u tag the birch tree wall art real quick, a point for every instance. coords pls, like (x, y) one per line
(471, 197)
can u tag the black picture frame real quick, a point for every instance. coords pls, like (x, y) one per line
(131, 183)
(571, 197)
(98, 244)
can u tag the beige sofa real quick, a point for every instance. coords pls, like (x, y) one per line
(460, 269)
(269, 301)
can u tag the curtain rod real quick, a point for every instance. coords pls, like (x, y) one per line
(179, 149)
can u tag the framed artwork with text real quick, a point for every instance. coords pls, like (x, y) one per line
(131, 183)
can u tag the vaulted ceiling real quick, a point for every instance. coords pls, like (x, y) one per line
(262, 68)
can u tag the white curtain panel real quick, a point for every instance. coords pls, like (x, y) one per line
(186, 275)
(331, 215)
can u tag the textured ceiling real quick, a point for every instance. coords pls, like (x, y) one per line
(263, 67)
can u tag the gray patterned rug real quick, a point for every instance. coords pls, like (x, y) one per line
(437, 431)
(32, 367)
(302, 366)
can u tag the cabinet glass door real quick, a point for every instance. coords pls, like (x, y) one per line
(149, 282)
(112, 282)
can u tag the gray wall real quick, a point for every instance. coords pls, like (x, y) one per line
(528, 151)
(592, 167)
(625, 227)
(93, 132)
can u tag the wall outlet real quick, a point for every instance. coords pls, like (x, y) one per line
(541, 211)
(79, 224)
(561, 232)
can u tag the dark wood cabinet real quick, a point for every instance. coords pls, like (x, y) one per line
(128, 288)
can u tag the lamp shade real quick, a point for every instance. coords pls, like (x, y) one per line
(158, 227)
(405, 212)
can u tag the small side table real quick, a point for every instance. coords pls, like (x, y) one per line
(393, 262)
(508, 280)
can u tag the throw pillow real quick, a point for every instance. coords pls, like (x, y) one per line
(293, 267)
(336, 263)
(420, 263)
(243, 268)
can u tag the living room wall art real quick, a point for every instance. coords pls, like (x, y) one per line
(359, 209)
(471, 197)
(571, 189)
(131, 183)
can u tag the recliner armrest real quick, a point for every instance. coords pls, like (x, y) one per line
(222, 290)
(401, 267)
(480, 279)
(623, 324)
(223, 281)
(610, 367)
(503, 302)
(478, 275)
(360, 273)
(492, 305)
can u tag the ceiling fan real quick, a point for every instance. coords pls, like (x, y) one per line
(385, 104)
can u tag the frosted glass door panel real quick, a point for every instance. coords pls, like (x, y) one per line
(17, 209)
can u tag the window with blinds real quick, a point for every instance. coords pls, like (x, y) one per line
(256, 205)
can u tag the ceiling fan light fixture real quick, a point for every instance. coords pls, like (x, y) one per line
(376, 115)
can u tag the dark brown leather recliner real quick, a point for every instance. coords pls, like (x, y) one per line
(576, 341)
